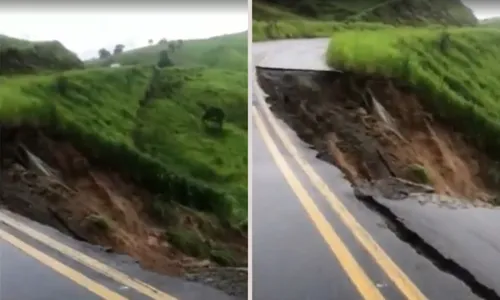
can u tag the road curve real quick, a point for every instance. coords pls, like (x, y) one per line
(312, 239)
(39, 263)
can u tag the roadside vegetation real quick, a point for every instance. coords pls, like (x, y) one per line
(455, 70)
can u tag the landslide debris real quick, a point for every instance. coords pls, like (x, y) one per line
(376, 128)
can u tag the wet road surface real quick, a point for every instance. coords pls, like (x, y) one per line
(312, 239)
(292, 54)
(39, 263)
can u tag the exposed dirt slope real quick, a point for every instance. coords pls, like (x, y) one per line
(103, 207)
(376, 128)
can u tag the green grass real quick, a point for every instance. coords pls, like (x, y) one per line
(459, 85)
(290, 29)
(450, 12)
(228, 52)
(163, 145)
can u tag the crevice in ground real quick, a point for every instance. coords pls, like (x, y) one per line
(48, 180)
(425, 249)
(377, 132)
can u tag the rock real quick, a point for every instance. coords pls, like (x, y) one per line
(361, 111)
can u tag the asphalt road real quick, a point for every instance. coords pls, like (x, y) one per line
(312, 239)
(39, 263)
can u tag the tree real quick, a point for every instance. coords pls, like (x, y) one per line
(172, 47)
(162, 41)
(164, 60)
(103, 53)
(150, 41)
(118, 49)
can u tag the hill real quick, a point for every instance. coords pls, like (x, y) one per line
(449, 12)
(275, 19)
(491, 22)
(25, 57)
(227, 51)
(134, 158)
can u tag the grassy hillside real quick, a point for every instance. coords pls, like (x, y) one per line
(24, 57)
(228, 51)
(451, 12)
(458, 77)
(164, 145)
(278, 19)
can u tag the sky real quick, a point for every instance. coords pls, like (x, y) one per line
(85, 30)
(484, 9)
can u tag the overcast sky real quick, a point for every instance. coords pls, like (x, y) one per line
(484, 9)
(86, 30)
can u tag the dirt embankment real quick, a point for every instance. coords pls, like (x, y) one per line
(375, 128)
(49, 181)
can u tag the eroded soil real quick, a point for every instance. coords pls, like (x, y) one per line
(374, 129)
(65, 191)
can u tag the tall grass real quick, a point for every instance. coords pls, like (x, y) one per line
(458, 81)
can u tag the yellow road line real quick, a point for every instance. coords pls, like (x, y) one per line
(400, 279)
(356, 274)
(88, 261)
(62, 269)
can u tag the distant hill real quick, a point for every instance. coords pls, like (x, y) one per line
(491, 22)
(450, 12)
(227, 52)
(24, 57)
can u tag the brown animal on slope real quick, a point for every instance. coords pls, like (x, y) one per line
(213, 114)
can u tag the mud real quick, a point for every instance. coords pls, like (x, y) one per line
(376, 129)
(54, 184)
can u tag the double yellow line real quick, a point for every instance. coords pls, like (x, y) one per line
(364, 285)
(80, 279)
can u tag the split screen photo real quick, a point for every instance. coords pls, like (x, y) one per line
(250, 150)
